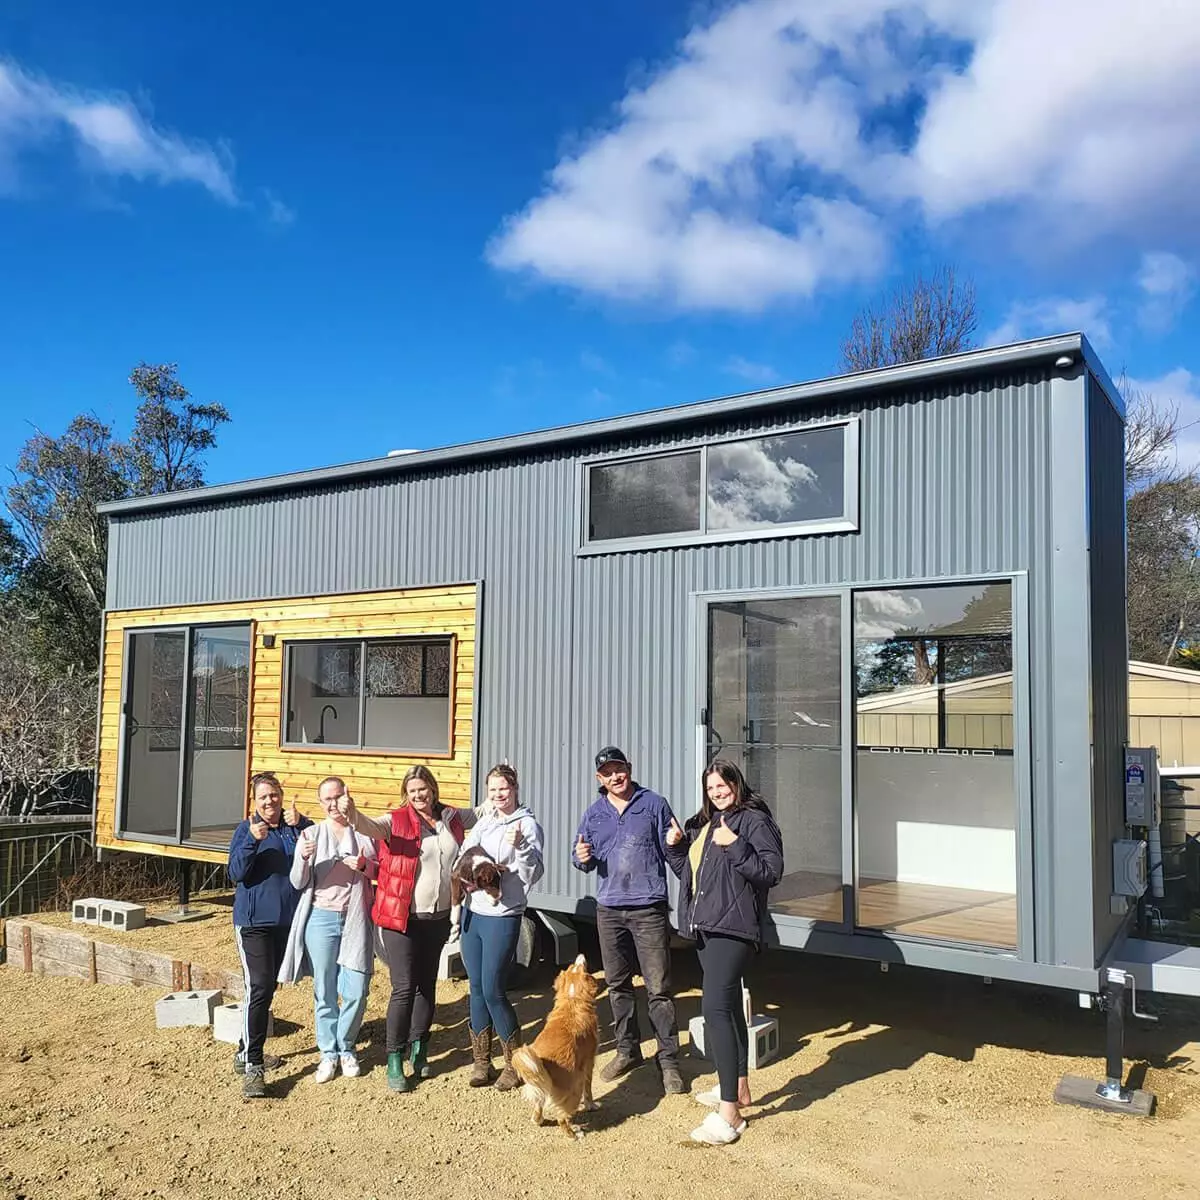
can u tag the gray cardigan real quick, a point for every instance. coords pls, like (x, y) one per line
(356, 951)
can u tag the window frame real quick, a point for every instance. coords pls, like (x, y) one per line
(848, 522)
(360, 749)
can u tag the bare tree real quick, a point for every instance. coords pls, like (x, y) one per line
(47, 724)
(925, 318)
(1152, 429)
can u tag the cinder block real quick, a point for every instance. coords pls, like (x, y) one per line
(764, 1039)
(86, 912)
(451, 965)
(186, 1008)
(122, 914)
(227, 1023)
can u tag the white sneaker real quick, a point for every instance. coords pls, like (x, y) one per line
(714, 1130)
(326, 1069)
(710, 1099)
(350, 1067)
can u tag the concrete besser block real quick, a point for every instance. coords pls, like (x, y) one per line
(186, 1008)
(227, 1023)
(450, 965)
(86, 912)
(764, 1039)
(122, 914)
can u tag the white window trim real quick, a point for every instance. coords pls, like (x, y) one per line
(847, 523)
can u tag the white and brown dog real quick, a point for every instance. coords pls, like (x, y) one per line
(557, 1068)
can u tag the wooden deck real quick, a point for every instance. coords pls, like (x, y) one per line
(943, 914)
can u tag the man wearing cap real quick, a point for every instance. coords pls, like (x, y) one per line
(622, 837)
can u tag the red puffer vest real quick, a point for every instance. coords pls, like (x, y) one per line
(399, 858)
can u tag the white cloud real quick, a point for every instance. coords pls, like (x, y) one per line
(1055, 314)
(278, 213)
(1167, 282)
(780, 147)
(751, 371)
(589, 360)
(108, 133)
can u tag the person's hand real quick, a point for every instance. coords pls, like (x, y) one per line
(514, 837)
(723, 835)
(674, 833)
(292, 816)
(355, 862)
(345, 806)
(583, 850)
(258, 828)
(308, 845)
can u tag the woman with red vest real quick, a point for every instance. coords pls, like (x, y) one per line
(418, 844)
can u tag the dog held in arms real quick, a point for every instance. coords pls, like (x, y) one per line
(557, 1068)
(475, 871)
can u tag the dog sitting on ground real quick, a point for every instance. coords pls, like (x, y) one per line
(557, 1068)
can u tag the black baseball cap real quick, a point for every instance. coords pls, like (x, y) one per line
(610, 754)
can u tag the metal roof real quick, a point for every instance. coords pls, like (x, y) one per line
(973, 362)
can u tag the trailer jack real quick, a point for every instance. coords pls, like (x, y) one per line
(1111, 1095)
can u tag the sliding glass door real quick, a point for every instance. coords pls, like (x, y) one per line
(774, 708)
(183, 755)
(925, 777)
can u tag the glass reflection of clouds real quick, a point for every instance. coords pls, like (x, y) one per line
(770, 481)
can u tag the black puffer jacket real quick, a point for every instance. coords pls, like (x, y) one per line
(732, 881)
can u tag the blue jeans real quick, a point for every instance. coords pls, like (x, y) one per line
(489, 947)
(337, 1029)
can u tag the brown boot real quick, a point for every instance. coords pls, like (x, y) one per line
(481, 1049)
(509, 1079)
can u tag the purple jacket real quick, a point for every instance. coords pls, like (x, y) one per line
(629, 849)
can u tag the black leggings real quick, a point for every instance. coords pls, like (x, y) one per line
(724, 961)
(412, 959)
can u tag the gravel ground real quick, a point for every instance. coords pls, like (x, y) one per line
(891, 1085)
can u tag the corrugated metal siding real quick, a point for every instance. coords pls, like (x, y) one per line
(576, 651)
(1110, 653)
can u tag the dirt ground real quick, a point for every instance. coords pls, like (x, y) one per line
(894, 1085)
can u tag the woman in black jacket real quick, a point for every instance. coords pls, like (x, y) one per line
(728, 856)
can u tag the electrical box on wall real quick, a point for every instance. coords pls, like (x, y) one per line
(1129, 867)
(1141, 786)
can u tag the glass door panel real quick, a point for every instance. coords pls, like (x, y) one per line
(774, 708)
(219, 695)
(151, 755)
(935, 790)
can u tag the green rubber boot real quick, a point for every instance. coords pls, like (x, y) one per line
(396, 1079)
(417, 1057)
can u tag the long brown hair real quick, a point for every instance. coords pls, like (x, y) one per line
(426, 776)
(731, 773)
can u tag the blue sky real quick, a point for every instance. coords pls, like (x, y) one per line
(405, 226)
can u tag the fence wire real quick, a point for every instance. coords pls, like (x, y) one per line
(47, 863)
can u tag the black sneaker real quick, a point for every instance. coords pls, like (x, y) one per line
(271, 1062)
(672, 1081)
(254, 1086)
(621, 1065)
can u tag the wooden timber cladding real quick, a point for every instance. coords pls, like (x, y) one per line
(373, 779)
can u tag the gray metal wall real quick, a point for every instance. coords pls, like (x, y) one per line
(1110, 655)
(578, 651)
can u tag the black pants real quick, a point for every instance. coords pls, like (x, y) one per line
(261, 949)
(724, 961)
(412, 960)
(638, 941)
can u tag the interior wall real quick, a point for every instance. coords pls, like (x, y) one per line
(934, 819)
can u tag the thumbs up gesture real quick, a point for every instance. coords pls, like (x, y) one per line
(345, 806)
(674, 833)
(722, 835)
(583, 850)
(292, 816)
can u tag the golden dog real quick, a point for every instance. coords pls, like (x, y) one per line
(557, 1068)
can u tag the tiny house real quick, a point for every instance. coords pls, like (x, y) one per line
(895, 598)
